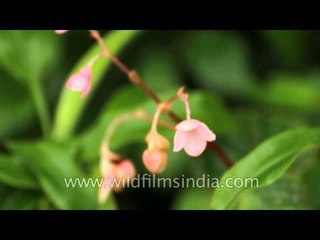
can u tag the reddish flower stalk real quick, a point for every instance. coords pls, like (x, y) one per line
(135, 78)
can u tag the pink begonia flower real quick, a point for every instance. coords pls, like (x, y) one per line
(192, 136)
(60, 31)
(81, 81)
(116, 177)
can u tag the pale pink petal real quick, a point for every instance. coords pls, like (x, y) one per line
(86, 90)
(81, 81)
(206, 133)
(77, 83)
(126, 169)
(195, 144)
(179, 140)
(86, 71)
(61, 31)
(188, 125)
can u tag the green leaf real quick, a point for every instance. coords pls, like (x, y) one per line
(268, 162)
(27, 55)
(15, 173)
(16, 109)
(70, 104)
(289, 193)
(289, 45)
(52, 164)
(218, 60)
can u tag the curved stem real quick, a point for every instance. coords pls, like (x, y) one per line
(155, 120)
(140, 115)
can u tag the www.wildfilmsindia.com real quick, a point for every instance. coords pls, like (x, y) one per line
(153, 181)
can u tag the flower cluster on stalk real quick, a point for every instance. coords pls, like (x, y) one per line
(191, 134)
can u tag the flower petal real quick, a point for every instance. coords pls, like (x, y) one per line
(86, 90)
(206, 133)
(81, 81)
(76, 83)
(126, 169)
(195, 144)
(179, 140)
(188, 125)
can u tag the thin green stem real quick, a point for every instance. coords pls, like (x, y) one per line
(41, 108)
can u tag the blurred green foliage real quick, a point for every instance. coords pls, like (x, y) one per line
(247, 86)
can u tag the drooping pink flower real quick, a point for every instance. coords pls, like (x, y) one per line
(60, 31)
(125, 170)
(81, 81)
(115, 177)
(192, 136)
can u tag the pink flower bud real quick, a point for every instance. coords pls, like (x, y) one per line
(60, 31)
(81, 81)
(155, 161)
(116, 175)
(156, 156)
(124, 171)
(192, 136)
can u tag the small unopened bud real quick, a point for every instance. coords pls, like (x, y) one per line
(155, 161)
(81, 81)
(155, 157)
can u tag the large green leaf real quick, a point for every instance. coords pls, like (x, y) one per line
(288, 193)
(70, 104)
(291, 191)
(267, 163)
(15, 173)
(52, 164)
